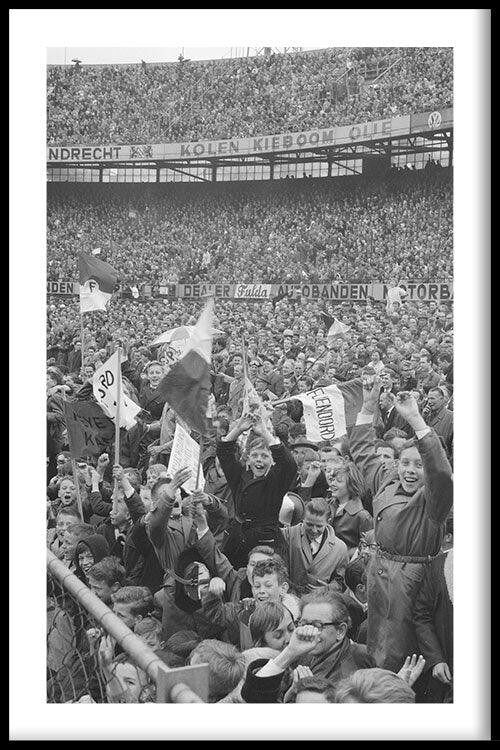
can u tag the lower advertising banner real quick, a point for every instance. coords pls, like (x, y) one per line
(253, 291)
(329, 291)
(62, 287)
(332, 291)
(418, 291)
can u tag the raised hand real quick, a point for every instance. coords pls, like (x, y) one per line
(407, 406)
(118, 473)
(106, 650)
(371, 393)
(188, 506)
(217, 586)
(313, 473)
(412, 669)
(304, 639)
(180, 477)
(102, 463)
(199, 496)
(246, 422)
(199, 515)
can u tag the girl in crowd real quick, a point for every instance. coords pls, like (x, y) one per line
(348, 516)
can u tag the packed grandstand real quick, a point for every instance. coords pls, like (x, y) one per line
(387, 230)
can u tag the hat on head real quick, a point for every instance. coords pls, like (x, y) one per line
(302, 442)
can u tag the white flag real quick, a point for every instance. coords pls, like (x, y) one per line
(337, 328)
(135, 292)
(96, 251)
(105, 392)
(252, 403)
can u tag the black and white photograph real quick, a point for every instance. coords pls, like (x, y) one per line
(248, 311)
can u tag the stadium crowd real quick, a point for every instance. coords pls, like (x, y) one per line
(277, 574)
(292, 231)
(302, 571)
(259, 95)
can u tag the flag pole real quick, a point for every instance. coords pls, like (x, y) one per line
(199, 464)
(81, 337)
(244, 357)
(77, 487)
(290, 398)
(118, 403)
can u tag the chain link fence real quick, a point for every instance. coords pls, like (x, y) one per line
(78, 671)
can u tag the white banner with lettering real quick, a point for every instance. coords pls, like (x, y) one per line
(311, 139)
(185, 453)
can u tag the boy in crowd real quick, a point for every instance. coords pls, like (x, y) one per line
(269, 582)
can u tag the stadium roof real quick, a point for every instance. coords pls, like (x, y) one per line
(398, 136)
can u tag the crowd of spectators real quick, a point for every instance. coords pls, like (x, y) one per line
(304, 570)
(312, 230)
(265, 94)
(256, 586)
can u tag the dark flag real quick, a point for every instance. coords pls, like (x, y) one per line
(187, 384)
(90, 431)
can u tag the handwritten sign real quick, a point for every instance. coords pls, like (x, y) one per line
(185, 453)
(90, 431)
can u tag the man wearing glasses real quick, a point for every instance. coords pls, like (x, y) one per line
(333, 655)
(319, 642)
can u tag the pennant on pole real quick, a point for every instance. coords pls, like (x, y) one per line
(187, 385)
(105, 391)
(97, 282)
(337, 328)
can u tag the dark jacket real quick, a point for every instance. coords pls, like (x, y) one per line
(181, 611)
(258, 499)
(442, 424)
(152, 400)
(55, 424)
(120, 547)
(387, 421)
(339, 662)
(406, 525)
(146, 571)
(352, 521)
(261, 689)
(237, 585)
(74, 360)
(433, 616)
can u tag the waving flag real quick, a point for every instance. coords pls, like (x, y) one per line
(105, 392)
(97, 282)
(187, 384)
(330, 411)
(253, 404)
(337, 328)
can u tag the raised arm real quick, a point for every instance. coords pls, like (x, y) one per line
(284, 472)
(362, 438)
(226, 453)
(437, 469)
(214, 558)
(165, 500)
